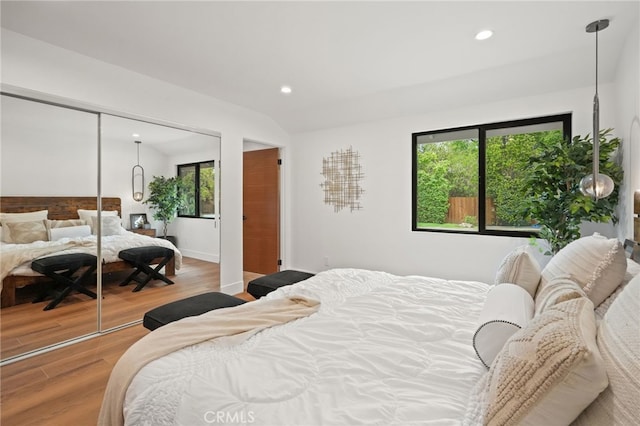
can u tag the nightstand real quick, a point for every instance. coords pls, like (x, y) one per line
(147, 232)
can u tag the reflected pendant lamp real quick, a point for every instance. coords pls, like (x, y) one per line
(137, 178)
(596, 185)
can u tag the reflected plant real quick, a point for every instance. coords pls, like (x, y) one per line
(166, 197)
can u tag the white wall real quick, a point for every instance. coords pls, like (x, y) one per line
(118, 157)
(379, 236)
(627, 86)
(32, 64)
(44, 150)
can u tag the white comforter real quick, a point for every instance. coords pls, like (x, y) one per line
(383, 349)
(111, 246)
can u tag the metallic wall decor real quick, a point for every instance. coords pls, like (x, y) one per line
(342, 180)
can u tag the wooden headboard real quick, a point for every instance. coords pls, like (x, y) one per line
(60, 208)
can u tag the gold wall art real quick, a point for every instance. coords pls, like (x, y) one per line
(343, 176)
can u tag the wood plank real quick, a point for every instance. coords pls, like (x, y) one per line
(26, 327)
(65, 386)
(60, 208)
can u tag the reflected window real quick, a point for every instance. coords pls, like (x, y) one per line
(198, 187)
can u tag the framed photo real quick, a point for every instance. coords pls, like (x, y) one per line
(138, 220)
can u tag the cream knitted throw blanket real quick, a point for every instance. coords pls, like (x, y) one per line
(248, 318)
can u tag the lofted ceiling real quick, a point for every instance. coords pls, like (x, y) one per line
(347, 61)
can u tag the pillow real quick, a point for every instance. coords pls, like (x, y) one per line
(27, 232)
(633, 269)
(111, 225)
(86, 215)
(65, 223)
(549, 371)
(56, 234)
(19, 217)
(51, 224)
(619, 344)
(559, 290)
(596, 263)
(519, 267)
(508, 308)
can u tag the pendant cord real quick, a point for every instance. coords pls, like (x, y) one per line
(596, 128)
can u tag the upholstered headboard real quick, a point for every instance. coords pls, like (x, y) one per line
(59, 207)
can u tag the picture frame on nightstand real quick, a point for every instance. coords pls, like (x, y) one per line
(138, 220)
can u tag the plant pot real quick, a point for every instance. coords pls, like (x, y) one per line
(172, 239)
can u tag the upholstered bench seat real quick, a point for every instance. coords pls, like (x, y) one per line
(189, 307)
(141, 258)
(61, 270)
(268, 283)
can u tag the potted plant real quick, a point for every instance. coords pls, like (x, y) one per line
(165, 199)
(554, 198)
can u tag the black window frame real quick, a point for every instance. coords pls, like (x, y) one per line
(197, 188)
(482, 131)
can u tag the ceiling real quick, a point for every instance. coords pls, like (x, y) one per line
(348, 61)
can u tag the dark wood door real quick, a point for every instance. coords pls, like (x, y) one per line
(261, 211)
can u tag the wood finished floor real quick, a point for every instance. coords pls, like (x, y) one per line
(65, 386)
(25, 326)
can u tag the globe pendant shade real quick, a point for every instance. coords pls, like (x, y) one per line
(603, 187)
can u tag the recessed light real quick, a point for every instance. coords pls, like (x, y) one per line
(483, 35)
(286, 90)
(135, 135)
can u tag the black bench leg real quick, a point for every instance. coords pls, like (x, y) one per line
(150, 273)
(64, 293)
(65, 280)
(132, 276)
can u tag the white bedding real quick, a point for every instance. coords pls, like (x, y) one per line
(383, 349)
(111, 246)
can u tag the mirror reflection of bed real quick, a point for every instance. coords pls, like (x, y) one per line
(22, 320)
(60, 146)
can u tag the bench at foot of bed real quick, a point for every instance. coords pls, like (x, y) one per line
(189, 307)
(268, 283)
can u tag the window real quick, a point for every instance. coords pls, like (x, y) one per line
(471, 179)
(199, 187)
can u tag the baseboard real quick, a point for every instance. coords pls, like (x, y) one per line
(207, 257)
(233, 288)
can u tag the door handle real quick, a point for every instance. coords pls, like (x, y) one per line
(244, 217)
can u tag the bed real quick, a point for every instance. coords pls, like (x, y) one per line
(61, 209)
(404, 350)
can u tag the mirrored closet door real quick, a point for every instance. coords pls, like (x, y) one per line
(48, 171)
(74, 185)
(133, 152)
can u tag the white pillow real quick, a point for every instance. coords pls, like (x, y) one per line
(520, 267)
(596, 263)
(86, 215)
(111, 225)
(619, 344)
(20, 217)
(507, 309)
(548, 372)
(69, 232)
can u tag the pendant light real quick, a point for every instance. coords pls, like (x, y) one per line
(137, 178)
(602, 185)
